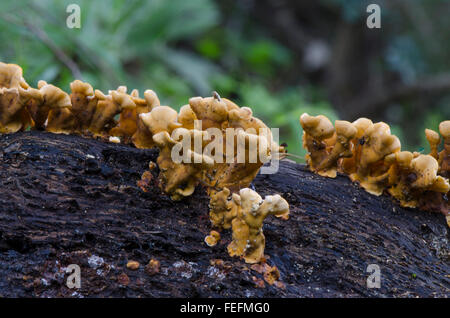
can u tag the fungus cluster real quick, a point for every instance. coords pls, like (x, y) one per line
(13, 114)
(197, 145)
(211, 141)
(369, 154)
(84, 111)
(208, 154)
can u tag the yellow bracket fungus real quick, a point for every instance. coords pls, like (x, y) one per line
(128, 120)
(147, 124)
(370, 155)
(11, 76)
(161, 118)
(13, 115)
(53, 114)
(318, 139)
(377, 144)
(342, 148)
(108, 106)
(248, 238)
(222, 210)
(179, 179)
(84, 103)
(444, 155)
(434, 140)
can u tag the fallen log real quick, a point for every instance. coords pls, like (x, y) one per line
(66, 199)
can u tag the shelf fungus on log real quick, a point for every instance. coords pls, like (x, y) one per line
(318, 139)
(212, 239)
(210, 141)
(127, 125)
(371, 156)
(240, 143)
(414, 181)
(179, 178)
(54, 114)
(370, 167)
(434, 140)
(248, 238)
(13, 114)
(444, 155)
(342, 148)
(108, 106)
(161, 118)
(11, 76)
(84, 103)
(230, 136)
(222, 210)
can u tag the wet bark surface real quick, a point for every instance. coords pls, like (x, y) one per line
(73, 200)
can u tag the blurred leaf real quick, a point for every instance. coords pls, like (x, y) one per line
(208, 48)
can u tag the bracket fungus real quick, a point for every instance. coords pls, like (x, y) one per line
(207, 161)
(371, 156)
(342, 148)
(378, 143)
(54, 114)
(160, 118)
(10, 108)
(434, 140)
(214, 115)
(318, 139)
(248, 238)
(128, 120)
(84, 103)
(178, 179)
(444, 155)
(244, 145)
(11, 76)
(222, 211)
(412, 176)
(108, 106)
(212, 111)
(212, 239)
(13, 115)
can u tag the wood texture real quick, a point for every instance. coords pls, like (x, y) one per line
(72, 200)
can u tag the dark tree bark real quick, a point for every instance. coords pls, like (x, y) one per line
(60, 206)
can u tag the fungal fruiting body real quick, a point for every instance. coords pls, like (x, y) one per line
(318, 139)
(411, 177)
(210, 141)
(370, 167)
(239, 143)
(248, 238)
(222, 210)
(444, 155)
(83, 104)
(179, 178)
(212, 238)
(13, 115)
(224, 159)
(370, 155)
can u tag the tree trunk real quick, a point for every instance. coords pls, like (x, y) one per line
(72, 200)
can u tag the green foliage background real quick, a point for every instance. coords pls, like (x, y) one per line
(179, 49)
